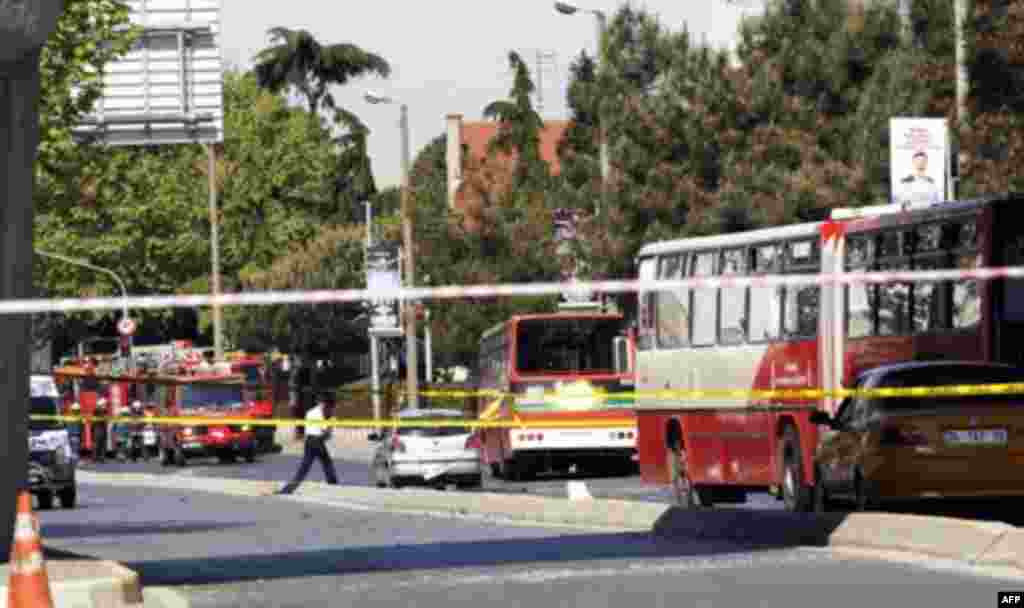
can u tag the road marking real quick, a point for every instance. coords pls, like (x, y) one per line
(646, 567)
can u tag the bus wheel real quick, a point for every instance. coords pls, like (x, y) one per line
(795, 495)
(684, 492)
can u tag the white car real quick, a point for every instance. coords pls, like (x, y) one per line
(433, 456)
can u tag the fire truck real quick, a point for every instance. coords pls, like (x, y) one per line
(178, 381)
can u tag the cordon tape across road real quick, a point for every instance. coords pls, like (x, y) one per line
(961, 390)
(268, 298)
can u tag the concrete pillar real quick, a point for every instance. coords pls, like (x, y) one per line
(24, 27)
(454, 156)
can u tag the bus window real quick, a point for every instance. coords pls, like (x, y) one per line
(672, 309)
(893, 302)
(928, 312)
(765, 302)
(645, 332)
(566, 345)
(800, 304)
(967, 295)
(732, 319)
(860, 297)
(704, 304)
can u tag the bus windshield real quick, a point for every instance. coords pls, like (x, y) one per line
(215, 396)
(553, 346)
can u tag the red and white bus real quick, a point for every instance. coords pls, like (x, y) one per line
(557, 366)
(807, 336)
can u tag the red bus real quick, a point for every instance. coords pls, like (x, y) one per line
(807, 336)
(557, 366)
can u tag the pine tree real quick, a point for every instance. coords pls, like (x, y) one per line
(519, 128)
(993, 142)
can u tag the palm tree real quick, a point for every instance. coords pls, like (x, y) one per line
(296, 59)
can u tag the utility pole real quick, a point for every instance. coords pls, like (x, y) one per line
(411, 359)
(542, 58)
(961, 82)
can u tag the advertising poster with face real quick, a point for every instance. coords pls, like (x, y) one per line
(919, 152)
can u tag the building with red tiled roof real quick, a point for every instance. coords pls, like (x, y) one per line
(474, 138)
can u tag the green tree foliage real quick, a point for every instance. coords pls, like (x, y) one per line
(519, 128)
(797, 125)
(578, 149)
(89, 35)
(334, 260)
(492, 241)
(297, 60)
(993, 140)
(144, 212)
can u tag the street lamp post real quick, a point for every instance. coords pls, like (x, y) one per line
(84, 264)
(602, 29)
(408, 307)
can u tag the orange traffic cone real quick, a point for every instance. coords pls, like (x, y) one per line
(29, 586)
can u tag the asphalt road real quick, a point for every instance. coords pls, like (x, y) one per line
(273, 551)
(281, 467)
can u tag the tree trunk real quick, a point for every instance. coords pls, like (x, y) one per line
(24, 27)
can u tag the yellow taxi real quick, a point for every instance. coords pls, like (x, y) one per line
(877, 449)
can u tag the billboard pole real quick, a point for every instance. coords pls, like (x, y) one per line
(218, 344)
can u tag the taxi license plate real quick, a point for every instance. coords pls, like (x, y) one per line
(976, 437)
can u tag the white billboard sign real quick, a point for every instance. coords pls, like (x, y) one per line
(168, 88)
(919, 159)
(383, 273)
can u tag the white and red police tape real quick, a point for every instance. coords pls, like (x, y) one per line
(269, 298)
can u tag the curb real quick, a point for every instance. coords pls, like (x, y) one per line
(87, 584)
(164, 597)
(988, 545)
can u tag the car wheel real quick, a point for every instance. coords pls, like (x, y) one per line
(167, 457)
(863, 498)
(179, 457)
(249, 454)
(378, 478)
(45, 501)
(795, 495)
(495, 470)
(477, 482)
(68, 497)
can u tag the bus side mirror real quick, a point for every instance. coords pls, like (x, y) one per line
(620, 354)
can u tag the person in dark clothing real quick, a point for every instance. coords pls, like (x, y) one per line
(99, 432)
(317, 436)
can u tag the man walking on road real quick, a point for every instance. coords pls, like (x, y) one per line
(317, 436)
